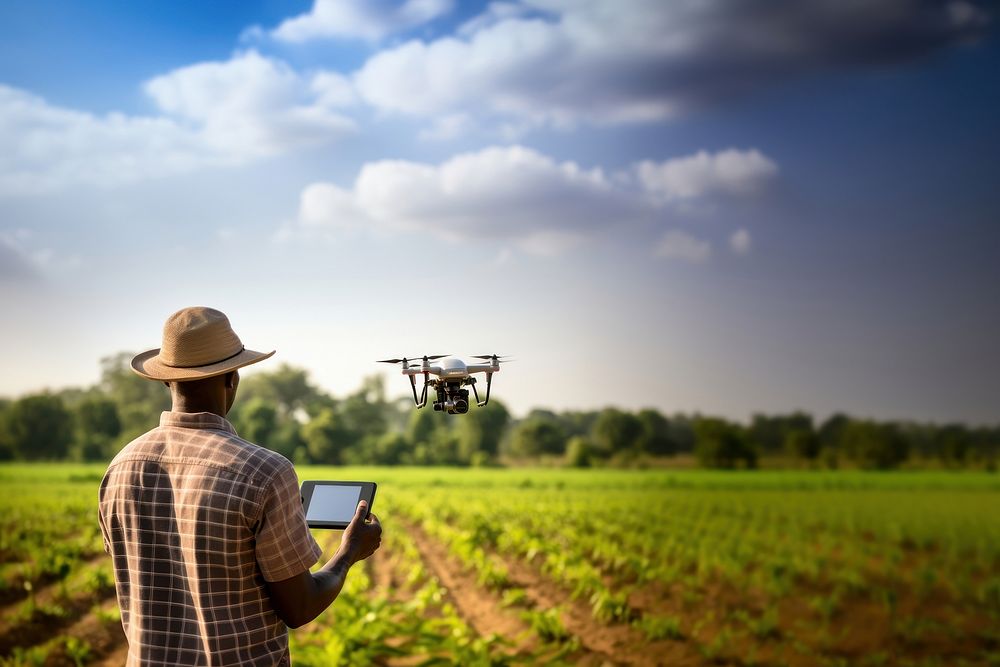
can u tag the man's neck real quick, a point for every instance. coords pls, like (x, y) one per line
(185, 404)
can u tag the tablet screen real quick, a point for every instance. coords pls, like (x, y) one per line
(334, 502)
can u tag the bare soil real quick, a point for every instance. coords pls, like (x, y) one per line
(19, 629)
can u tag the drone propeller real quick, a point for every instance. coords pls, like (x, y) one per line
(494, 357)
(413, 360)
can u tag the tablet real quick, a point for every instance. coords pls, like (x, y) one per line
(333, 504)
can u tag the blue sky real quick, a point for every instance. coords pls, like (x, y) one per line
(695, 206)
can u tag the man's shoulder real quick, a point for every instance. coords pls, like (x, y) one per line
(258, 458)
(222, 450)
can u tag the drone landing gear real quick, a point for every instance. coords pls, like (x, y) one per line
(489, 381)
(422, 401)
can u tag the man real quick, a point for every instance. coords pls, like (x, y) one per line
(210, 545)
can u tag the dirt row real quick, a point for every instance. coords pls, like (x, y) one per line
(54, 615)
(718, 624)
(484, 610)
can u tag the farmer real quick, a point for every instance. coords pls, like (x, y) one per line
(210, 545)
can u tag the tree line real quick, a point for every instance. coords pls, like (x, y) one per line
(281, 409)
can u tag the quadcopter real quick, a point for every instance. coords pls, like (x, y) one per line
(452, 375)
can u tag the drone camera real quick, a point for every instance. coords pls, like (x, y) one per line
(458, 406)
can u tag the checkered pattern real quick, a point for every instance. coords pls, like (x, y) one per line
(197, 520)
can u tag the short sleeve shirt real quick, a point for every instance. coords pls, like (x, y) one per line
(197, 520)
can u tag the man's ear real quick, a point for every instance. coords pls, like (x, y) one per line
(231, 380)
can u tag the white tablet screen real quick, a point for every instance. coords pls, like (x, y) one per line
(333, 503)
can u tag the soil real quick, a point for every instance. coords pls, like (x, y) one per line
(40, 627)
(75, 620)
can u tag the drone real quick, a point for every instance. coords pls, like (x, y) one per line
(452, 375)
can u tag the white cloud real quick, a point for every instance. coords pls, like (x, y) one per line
(326, 205)
(676, 244)
(365, 19)
(252, 106)
(446, 127)
(44, 147)
(740, 242)
(495, 13)
(217, 113)
(497, 192)
(333, 90)
(561, 62)
(515, 194)
(728, 172)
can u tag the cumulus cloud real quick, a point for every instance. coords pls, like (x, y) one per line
(252, 106)
(446, 127)
(365, 19)
(494, 13)
(739, 242)
(44, 147)
(730, 172)
(676, 244)
(560, 62)
(216, 113)
(520, 195)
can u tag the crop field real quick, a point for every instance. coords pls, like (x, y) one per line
(579, 567)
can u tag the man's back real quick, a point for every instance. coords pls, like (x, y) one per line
(198, 521)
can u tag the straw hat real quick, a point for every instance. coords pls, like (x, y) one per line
(198, 343)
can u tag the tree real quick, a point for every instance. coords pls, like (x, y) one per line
(390, 449)
(97, 425)
(578, 452)
(6, 446)
(39, 427)
(536, 436)
(769, 433)
(656, 437)
(326, 438)
(257, 420)
(443, 449)
(480, 431)
(286, 388)
(138, 401)
(422, 425)
(802, 444)
(682, 434)
(365, 413)
(721, 444)
(831, 431)
(953, 443)
(577, 422)
(616, 431)
(874, 445)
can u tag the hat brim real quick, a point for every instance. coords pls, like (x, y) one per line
(149, 366)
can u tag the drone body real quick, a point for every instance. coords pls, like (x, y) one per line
(453, 375)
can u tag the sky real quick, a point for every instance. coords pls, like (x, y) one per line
(709, 206)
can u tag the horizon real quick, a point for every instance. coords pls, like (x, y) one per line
(704, 209)
(400, 397)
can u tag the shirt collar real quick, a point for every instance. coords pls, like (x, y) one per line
(204, 420)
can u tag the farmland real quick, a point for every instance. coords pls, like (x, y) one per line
(585, 567)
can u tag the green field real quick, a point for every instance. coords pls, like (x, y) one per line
(482, 566)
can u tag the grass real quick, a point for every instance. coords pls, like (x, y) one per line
(842, 567)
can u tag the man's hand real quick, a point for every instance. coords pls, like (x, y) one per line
(361, 537)
(300, 599)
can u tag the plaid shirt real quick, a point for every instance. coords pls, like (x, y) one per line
(197, 520)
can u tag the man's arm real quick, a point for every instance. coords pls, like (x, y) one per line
(302, 598)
